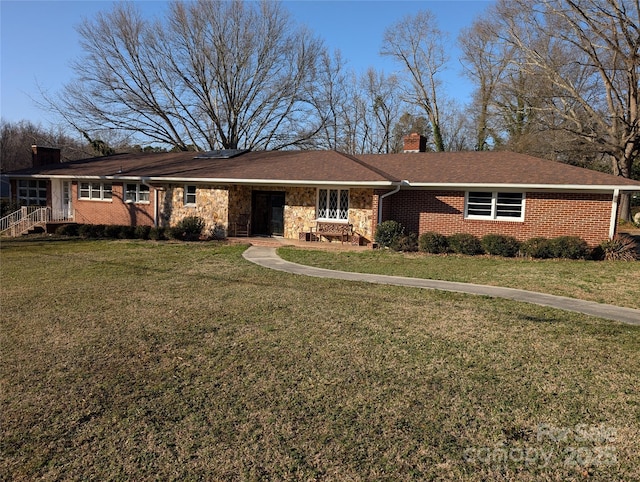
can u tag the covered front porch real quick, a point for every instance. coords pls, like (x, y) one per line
(292, 211)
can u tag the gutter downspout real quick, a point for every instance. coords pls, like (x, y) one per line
(614, 213)
(155, 207)
(390, 193)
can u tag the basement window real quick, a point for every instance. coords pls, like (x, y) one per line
(95, 191)
(136, 193)
(504, 206)
(333, 204)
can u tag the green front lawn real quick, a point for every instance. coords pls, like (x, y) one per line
(164, 361)
(611, 282)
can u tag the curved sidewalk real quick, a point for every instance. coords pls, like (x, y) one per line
(267, 257)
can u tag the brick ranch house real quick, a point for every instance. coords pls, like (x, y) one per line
(287, 193)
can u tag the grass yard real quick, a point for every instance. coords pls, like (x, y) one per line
(125, 360)
(611, 282)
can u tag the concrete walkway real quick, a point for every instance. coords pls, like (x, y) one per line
(266, 256)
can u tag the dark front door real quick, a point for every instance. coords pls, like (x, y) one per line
(267, 213)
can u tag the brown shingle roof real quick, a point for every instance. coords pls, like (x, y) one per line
(493, 167)
(266, 166)
(315, 167)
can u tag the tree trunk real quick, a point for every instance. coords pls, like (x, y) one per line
(437, 138)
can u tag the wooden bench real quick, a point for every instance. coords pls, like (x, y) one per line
(330, 229)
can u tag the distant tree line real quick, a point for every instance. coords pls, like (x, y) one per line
(16, 139)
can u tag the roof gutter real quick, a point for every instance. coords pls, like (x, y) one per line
(520, 187)
(188, 180)
(306, 182)
(387, 194)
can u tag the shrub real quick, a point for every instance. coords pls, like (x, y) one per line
(435, 243)
(570, 247)
(157, 234)
(83, 230)
(464, 243)
(92, 231)
(99, 231)
(68, 230)
(127, 232)
(8, 207)
(537, 248)
(621, 248)
(388, 232)
(406, 243)
(112, 231)
(142, 232)
(217, 232)
(188, 229)
(500, 245)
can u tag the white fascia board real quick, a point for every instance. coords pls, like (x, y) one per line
(526, 187)
(274, 182)
(81, 178)
(404, 184)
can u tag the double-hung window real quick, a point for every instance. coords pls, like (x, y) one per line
(136, 193)
(190, 194)
(32, 193)
(506, 206)
(95, 191)
(333, 204)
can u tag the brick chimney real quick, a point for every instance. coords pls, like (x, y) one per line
(414, 142)
(41, 156)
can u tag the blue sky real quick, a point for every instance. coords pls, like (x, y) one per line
(39, 41)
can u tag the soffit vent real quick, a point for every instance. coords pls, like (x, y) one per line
(221, 154)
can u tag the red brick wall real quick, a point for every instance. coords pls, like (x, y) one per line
(546, 214)
(115, 211)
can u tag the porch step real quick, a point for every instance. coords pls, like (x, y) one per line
(258, 241)
(35, 230)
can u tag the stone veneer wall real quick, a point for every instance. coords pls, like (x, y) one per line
(212, 205)
(220, 207)
(299, 210)
(239, 204)
(361, 213)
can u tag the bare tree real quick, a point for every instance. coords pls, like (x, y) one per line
(417, 44)
(485, 59)
(329, 96)
(356, 121)
(587, 55)
(212, 74)
(457, 128)
(382, 96)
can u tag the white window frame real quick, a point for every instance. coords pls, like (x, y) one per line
(188, 194)
(97, 191)
(30, 191)
(494, 207)
(342, 212)
(136, 194)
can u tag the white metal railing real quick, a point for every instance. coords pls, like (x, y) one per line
(15, 218)
(27, 217)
